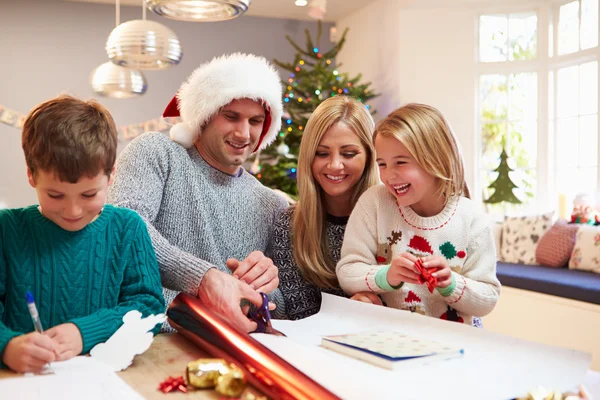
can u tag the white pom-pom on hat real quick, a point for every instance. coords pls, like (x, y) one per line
(182, 134)
(217, 83)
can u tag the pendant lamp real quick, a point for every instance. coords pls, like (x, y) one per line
(199, 10)
(143, 44)
(118, 82)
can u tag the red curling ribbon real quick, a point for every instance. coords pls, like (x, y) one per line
(425, 275)
(172, 384)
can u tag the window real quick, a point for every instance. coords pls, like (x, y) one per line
(573, 111)
(540, 104)
(508, 92)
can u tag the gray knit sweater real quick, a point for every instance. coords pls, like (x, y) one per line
(197, 216)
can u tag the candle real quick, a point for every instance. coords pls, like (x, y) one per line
(562, 206)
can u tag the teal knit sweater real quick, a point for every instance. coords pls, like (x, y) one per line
(91, 277)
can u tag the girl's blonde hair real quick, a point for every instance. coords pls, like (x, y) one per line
(427, 136)
(308, 225)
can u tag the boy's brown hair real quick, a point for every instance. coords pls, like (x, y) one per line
(70, 137)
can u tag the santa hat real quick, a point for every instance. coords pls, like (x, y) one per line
(217, 83)
(420, 246)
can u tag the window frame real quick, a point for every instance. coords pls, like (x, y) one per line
(546, 191)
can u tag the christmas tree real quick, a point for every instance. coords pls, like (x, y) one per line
(503, 184)
(313, 78)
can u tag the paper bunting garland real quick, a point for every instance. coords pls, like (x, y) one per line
(126, 132)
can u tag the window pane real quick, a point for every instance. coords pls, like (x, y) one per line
(523, 143)
(522, 40)
(567, 144)
(588, 141)
(568, 92)
(585, 180)
(526, 184)
(493, 38)
(589, 24)
(566, 181)
(493, 97)
(588, 88)
(568, 28)
(522, 96)
(492, 141)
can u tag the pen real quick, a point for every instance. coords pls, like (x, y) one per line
(35, 317)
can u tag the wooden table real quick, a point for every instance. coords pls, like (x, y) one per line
(168, 356)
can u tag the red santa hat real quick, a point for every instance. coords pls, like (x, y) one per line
(420, 246)
(217, 83)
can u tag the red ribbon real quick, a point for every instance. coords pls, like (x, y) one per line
(172, 384)
(425, 275)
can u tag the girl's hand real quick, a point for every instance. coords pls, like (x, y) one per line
(403, 269)
(443, 273)
(367, 297)
(29, 353)
(68, 339)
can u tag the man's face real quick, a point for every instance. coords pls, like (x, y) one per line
(231, 135)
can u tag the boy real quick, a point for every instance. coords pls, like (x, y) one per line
(86, 263)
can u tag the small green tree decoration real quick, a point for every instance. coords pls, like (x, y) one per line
(503, 184)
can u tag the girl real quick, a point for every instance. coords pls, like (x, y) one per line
(420, 219)
(336, 164)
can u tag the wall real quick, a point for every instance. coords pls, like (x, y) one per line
(418, 55)
(50, 46)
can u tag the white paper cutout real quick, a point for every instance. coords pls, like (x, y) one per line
(131, 339)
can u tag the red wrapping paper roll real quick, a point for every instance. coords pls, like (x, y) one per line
(265, 370)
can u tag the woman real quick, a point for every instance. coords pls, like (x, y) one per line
(336, 164)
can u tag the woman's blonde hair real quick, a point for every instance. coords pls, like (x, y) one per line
(427, 136)
(308, 225)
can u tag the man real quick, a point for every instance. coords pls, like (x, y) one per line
(204, 212)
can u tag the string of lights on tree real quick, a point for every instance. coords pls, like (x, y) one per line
(313, 77)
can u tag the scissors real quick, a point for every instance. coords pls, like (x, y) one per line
(262, 317)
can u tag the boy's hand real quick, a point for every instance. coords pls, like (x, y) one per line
(256, 270)
(443, 273)
(367, 297)
(403, 269)
(29, 353)
(69, 342)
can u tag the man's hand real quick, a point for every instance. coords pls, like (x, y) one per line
(223, 293)
(443, 273)
(68, 339)
(29, 353)
(403, 269)
(257, 271)
(367, 297)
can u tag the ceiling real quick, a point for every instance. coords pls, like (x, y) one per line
(336, 9)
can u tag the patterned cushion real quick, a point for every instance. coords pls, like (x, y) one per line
(586, 254)
(556, 246)
(520, 236)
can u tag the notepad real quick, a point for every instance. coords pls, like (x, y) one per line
(390, 349)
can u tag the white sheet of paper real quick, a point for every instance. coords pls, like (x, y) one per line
(131, 339)
(493, 366)
(77, 378)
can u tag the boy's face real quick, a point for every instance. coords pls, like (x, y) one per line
(70, 205)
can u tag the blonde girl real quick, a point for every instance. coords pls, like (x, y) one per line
(336, 164)
(420, 216)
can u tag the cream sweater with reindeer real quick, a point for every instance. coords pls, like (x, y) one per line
(379, 230)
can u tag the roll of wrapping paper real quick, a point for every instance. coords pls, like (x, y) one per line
(265, 370)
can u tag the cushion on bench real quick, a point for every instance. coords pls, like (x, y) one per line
(562, 282)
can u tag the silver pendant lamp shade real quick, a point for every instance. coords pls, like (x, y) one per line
(199, 10)
(111, 80)
(143, 44)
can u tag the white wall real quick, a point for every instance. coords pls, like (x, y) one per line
(51, 46)
(417, 55)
